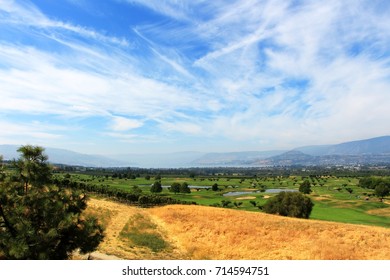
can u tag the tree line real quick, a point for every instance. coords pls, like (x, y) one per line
(132, 196)
(380, 185)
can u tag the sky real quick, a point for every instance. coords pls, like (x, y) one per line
(157, 76)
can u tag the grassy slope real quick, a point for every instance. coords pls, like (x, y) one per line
(198, 232)
(214, 233)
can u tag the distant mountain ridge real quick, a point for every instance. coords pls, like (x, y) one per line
(367, 151)
(234, 158)
(62, 156)
(377, 145)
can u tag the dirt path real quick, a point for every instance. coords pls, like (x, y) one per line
(114, 247)
(120, 214)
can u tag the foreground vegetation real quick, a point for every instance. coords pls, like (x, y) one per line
(38, 219)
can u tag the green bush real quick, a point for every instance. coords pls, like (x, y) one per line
(291, 204)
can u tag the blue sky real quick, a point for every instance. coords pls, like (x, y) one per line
(132, 76)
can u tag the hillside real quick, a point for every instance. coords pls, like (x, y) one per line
(377, 145)
(197, 232)
(233, 159)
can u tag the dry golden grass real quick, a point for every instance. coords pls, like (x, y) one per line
(119, 217)
(382, 212)
(198, 232)
(215, 233)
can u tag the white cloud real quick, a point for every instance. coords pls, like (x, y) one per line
(123, 124)
(20, 133)
(26, 14)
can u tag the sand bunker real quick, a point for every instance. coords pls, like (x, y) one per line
(245, 197)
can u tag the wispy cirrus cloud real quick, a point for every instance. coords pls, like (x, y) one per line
(274, 73)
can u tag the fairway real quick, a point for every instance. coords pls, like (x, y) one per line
(335, 198)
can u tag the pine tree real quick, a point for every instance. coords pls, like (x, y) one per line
(39, 220)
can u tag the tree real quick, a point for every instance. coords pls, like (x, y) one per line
(292, 204)
(175, 187)
(305, 187)
(184, 188)
(1, 169)
(382, 190)
(32, 167)
(156, 187)
(215, 187)
(39, 220)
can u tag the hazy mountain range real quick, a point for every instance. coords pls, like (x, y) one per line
(368, 151)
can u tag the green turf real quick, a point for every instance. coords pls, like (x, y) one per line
(332, 200)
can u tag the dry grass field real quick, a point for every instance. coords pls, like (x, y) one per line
(198, 232)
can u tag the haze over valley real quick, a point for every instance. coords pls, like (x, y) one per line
(369, 151)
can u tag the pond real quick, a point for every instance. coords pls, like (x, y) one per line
(266, 191)
(191, 187)
(279, 190)
(238, 193)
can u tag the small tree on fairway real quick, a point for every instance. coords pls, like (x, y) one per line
(184, 188)
(215, 187)
(305, 187)
(39, 220)
(382, 190)
(156, 187)
(175, 187)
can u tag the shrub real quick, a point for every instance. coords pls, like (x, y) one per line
(291, 204)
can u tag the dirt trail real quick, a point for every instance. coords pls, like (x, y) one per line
(113, 247)
(120, 214)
